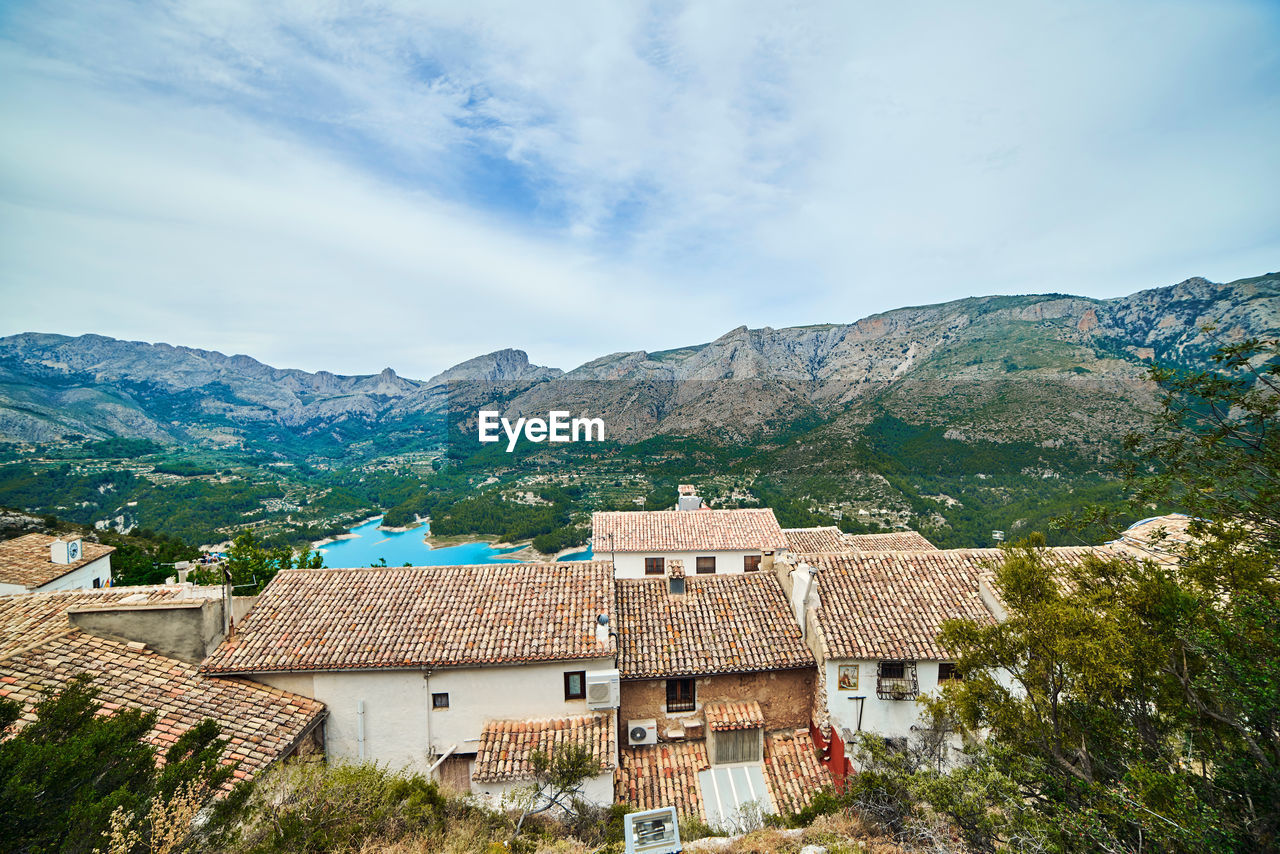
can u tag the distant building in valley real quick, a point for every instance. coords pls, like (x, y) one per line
(41, 563)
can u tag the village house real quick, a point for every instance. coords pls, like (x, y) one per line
(41, 563)
(640, 544)
(717, 696)
(455, 670)
(872, 620)
(42, 646)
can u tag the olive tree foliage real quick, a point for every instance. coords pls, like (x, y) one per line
(251, 565)
(558, 779)
(1137, 701)
(65, 775)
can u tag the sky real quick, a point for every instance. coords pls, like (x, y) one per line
(351, 186)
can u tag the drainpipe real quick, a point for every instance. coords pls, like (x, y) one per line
(360, 729)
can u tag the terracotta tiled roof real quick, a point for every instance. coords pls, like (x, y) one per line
(1160, 539)
(32, 618)
(447, 616)
(878, 605)
(505, 746)
(662, 775)
(685, 531)
(827, 539)
(260, 723)
(25, 560)
(720, 624)
(792, 770)
(831, 539)
(893, 541)
(738, 714)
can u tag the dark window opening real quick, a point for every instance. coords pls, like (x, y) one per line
(896, 680)
(751, 563)
(706, 565)
(680, 695)
(440, 701)
(948, 670)
(654, 566)
(575, 685)
(97, 582)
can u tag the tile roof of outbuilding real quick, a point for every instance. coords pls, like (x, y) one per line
(417, 617)
(686, 531)
(40, 650)
(832, 540)
(505, 746)
(733, 714)
(891, 605)
(662, 775)
(25, 560)
(720, 624)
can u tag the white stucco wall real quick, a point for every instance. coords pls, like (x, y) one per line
(78, 579)
(889, 718)
(631, 564)
(598, 790)
(400, 727)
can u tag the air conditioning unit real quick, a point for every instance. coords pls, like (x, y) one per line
(642, 732)
(602, 690)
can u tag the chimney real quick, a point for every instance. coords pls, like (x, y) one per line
(675, 577)
(766, 560)
(602, 629)
(688, 499)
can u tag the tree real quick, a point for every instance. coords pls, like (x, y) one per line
(252, 564)
(558, 780)
(1146, 695)
(63, 776)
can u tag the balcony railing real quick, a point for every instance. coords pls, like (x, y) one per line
(896, 680)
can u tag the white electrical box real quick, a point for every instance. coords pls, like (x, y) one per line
(642, 732)
(66, 551)
(652, 832)
(602, 690)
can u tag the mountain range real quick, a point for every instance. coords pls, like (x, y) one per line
(1047, 368)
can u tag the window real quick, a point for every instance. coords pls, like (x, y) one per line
(439, 701)
(680, 695)
(706, 565)
(654, 566)
(896, 680)
(575, 685)
(947, 670)
(97, 582)
(737, 745)
(751, 563)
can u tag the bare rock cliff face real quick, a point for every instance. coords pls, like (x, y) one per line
(1026, 367)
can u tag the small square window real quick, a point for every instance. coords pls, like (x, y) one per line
(680, 695)
(575, 685)
(97, 582)
(893, 670)
(947, 670)
(706, 565)
(654, 566)
(751, 563)
(440, 701)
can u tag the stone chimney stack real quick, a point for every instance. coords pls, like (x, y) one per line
(675, 577)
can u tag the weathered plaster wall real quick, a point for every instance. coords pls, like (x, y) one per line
(186, 631)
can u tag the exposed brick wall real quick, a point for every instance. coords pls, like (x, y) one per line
(786, 698)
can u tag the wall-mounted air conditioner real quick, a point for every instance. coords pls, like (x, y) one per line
(602, 690)
(642, 732)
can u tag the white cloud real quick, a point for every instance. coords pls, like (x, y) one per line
(577, 178)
